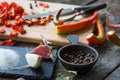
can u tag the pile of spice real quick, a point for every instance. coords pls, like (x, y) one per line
(78, 57)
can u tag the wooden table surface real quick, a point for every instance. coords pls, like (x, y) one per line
(108, 64)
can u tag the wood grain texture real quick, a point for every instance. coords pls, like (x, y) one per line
(33, 33)
(115, 75)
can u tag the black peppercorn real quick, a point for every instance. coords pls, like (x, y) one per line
(78, 57)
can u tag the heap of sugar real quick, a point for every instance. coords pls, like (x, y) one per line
(8, 58)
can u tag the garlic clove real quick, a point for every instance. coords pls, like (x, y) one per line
(33, 60)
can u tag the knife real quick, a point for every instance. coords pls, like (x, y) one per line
(87, 11)
(64, 12)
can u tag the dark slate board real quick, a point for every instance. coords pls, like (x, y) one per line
(42, 73)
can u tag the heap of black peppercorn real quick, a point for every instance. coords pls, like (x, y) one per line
(78, 57)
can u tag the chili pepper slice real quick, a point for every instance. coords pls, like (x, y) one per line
(21, 30)
(113, 37)
(2, 31)
(4, 4)
(1, 21)
(20, 21)
(9, 42)
(45, 5)
(18, 10)
(12, 4)
(2, 43)
(100, 38)
(13, 33)
(7, 23)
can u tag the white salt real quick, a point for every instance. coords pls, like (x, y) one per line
(8, 58)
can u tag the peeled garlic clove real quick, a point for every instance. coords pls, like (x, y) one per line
(33, 60)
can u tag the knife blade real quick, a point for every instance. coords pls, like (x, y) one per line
(64, 12)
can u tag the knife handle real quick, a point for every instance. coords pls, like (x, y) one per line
(90, 2)
(89, 6)
(72, 10)
(93, 9)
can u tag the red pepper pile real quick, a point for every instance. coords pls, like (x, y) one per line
(11, 17)
(8, 42)
(10, 12)
(15, 12)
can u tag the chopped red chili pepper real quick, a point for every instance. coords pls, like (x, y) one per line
(18, 10)
(35, 21)
(1, 21)
(28, 22)
(21, 30)
(7, 23)
(2, 43)
(13, 4)
(4, 4)
(17, 17)
(2, 31)
(15, 12)
(13, 33)
(42, 22)
(20, 21)
(9, 42)
(45, 5)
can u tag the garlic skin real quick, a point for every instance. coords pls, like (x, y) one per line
(33, 60)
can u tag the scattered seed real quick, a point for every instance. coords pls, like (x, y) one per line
(35, 1)
(31, 7)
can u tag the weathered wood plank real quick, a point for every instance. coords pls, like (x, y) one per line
(115, 75)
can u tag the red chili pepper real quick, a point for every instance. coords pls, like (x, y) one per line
(4, 4)
(28, 22)
(1, 21)
(2, 31)
(21, 30)
(3, 14)
(97, 39)
(45, 5)
(42, 22)
(35, 21)
(20, 21)
(13, 33)
(17, 17)
(13, 4)
(18, 10)
(7, 23)
(73, 26)
(9, 42)
(10, 15)
(14, 25)
(113, 37)
(2, 43)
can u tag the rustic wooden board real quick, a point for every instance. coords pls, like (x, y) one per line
(33, 32)
(44, 72)
(115, 75)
